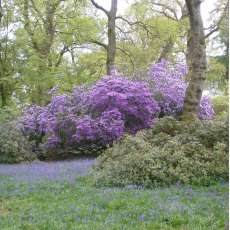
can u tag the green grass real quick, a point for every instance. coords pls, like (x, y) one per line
(80, 205)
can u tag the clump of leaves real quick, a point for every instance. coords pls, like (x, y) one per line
(168, 153)
(14, 147)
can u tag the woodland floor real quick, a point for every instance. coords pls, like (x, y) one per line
(61, 195)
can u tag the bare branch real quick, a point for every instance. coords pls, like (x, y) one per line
(211, 32)
(169, 9)
(136, 23)
(62, 52)
(215, 28)
(99, 43)
(100, 8)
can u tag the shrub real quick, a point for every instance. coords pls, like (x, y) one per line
(221, 105)
(167, 84)
(131, 99)
(8, 114)
(83, 118)
(94, 116)
(14, 147)
(32, 126)
(168, 153)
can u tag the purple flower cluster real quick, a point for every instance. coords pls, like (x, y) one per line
(169, 89)
(100, 114)
(31, 125)
(206, 110)
(133, 100)
(166, 82)
(107, 128)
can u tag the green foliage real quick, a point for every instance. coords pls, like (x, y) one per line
(221, 105)
(8, 114)
(168, 153)
(216, 80)
(14, 147)
(154, 37)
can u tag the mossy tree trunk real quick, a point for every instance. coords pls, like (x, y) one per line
(196, 60)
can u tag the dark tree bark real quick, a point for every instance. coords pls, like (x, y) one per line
(111, 47)
(3, 94)
(196, 60)
(1, 11)
(166, 50)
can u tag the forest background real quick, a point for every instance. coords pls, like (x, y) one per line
(65, 43)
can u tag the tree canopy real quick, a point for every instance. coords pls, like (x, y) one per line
(70, 42)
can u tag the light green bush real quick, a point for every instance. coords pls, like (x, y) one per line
(168, 153)
(8, 114)
(14, 147)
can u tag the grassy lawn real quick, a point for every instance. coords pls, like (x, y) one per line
(43, 201)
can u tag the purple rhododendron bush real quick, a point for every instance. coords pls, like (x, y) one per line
(91, 118)
(166, 82)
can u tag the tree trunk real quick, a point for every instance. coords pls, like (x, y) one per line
(111, 51)
(196, 60)
(111, 46)
(43, 45)
(166, 50)
(3, 93)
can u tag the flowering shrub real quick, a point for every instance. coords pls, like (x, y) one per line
(102, 113)
(99, 115)
(104, 130)
(32, 126)
(132, 99)
(206, 110)
(168, 87)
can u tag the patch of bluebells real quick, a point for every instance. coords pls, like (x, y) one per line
(47, 171)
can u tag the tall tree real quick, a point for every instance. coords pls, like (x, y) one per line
(196, 59)
(52, 28)
(42, 39)
(146, 35)
(8, 52)
(111, 46)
